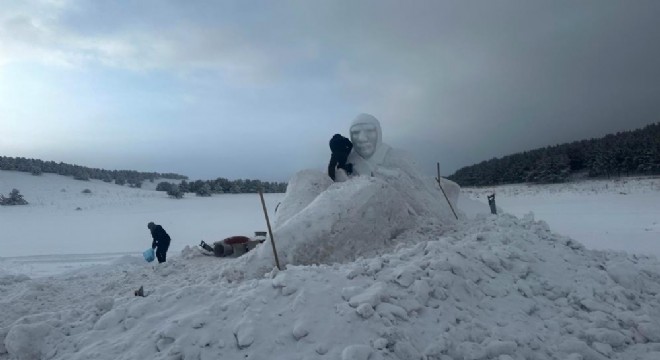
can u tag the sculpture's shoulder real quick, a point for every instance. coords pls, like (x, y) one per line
(400, 159)
(395, 155)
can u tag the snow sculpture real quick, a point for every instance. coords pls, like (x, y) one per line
(372, 157)
(321, 221)
(368, 149)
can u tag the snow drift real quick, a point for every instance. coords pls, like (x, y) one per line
(497, 287)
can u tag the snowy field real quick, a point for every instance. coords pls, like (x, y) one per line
(620, 214)
(486, 287)
(110, 221)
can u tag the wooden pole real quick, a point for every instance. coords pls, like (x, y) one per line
(272, 241)
(443, 193)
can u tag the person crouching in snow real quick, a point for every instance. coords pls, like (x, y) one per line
(161, 241)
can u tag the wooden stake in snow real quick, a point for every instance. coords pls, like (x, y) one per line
(443, 193)
(491, 203)
(272, 241)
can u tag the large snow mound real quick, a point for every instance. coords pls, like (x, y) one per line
(322, 222)
(497, 287)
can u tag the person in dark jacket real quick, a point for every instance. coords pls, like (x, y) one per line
(340, 148)
(161, 241)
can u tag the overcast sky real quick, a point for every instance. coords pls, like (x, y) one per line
(255, 89)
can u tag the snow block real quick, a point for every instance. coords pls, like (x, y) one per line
(574, 346)
(372, 296)
(300, 330)
(244, 334)
(32, 341)
(496, 348)
(356, 352)
(308, 185)
(365, 310)
(651, 331)
(110, 319)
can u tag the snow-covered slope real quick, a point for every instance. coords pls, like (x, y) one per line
(487, 287)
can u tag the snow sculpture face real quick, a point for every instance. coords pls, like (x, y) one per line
(365, 135)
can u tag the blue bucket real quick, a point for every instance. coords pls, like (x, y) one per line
(149, 255)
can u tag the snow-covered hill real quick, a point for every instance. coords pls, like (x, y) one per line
(488, 287)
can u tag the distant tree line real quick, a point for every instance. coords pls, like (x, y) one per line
(120, 177)
(220, 186)
(625, 153)
(135, 178)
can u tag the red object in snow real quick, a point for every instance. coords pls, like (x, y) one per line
(236, 240)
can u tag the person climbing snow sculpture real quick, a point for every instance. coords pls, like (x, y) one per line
(340, 147)
(161, 241)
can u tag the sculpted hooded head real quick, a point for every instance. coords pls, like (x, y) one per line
(366, 135)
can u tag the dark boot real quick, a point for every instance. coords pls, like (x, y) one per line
(161, 255)
(205, 246)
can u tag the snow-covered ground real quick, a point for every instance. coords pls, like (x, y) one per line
(620, 214)
(61, 219)
(487, 287)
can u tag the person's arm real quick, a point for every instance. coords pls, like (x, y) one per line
(154, 243)
(346, 165)
(331, 166)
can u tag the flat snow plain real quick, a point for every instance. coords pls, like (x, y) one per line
(619, 214)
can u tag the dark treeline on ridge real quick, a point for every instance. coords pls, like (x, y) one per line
(120, 177)
(220, 186)
(135, 178)
(635, 152)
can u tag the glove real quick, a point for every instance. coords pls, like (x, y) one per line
(349, 168)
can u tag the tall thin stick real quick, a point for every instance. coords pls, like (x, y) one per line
(272, 241)
(443, 193)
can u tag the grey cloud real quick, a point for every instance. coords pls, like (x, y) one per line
(492, 78)
(452, 81)
(149, 35)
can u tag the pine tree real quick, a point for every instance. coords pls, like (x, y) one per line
(15, 198)
(175, 192)
(164, 186)
(203, 190)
